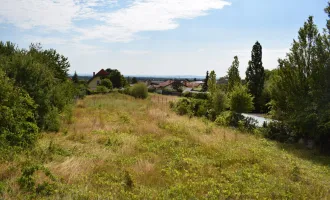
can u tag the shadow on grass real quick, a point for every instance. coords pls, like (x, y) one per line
(303, 152)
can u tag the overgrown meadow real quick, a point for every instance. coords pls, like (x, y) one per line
(117, 147)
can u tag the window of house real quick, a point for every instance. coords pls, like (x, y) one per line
(98, 82)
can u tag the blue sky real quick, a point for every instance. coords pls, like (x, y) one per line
(158, 37)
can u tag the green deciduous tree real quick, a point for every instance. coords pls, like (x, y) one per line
(301, 86)
(240, 100)
(134, 80)
(116, 78)
(42, 74)
(255, 75)
(17, 117)
(106, 83)
(233, 74)
(212, 83)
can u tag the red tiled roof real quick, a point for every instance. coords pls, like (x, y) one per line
(164, 84)
(193, 84)
(102, 72)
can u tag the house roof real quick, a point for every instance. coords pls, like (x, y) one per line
(102, 72)
(193, 84)
(164, 84)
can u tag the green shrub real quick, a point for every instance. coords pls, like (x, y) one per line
(200, 95)
(247, 124)
(192, 107)
(80, 91)
(229, 118)
(106, 83)
(240, 100)
(42, 74)
(139, 90)
(52, 120)
(27, 181)
(219, 101)
(279, 131)
(17, 119)
(101, 90)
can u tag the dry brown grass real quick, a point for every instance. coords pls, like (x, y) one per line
(115, 139)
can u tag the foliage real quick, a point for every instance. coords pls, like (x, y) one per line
(212, 83)
(233, 74)
(116, 78)
(219, 101)
(75, 78)
(177, 85)
(134, 80)
(196, 95)
(240, 100)
(43, 75)
(106, 83)
(206, 80)
(28, 183)
(139, 90)
(17, 120)
(101, 89)
(301, 87)
(255, 75)
(191, 107)
(57, 63)
(229, 118)
(279, 131)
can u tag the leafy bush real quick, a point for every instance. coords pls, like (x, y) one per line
(279, 131)
(199, 95)
(247, 124)
(192, 107)
(101, 89)
(106, 83)
(42, 74)
(17, 120)
(139, 90)
(240, 100)
(52, 120)
(80, 91)
(229, 118)
(182, 106)
(219, 101)
(27, 181)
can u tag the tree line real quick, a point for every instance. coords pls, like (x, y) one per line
(297, 93)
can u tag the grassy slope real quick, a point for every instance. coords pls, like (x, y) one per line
(119, 148)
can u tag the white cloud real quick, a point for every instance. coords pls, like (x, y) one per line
(48, 14)
(149, 15)
(117, 26)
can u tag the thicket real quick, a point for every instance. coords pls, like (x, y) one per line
(139, 90)
(34, 90)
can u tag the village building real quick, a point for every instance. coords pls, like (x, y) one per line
(96, 79)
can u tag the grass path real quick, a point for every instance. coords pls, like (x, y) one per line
(117, 147)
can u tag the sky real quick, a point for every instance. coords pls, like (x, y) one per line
(158, 37)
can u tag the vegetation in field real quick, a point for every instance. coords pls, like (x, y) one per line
(119, 147)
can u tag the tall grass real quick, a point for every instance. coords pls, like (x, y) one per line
(118, 147)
